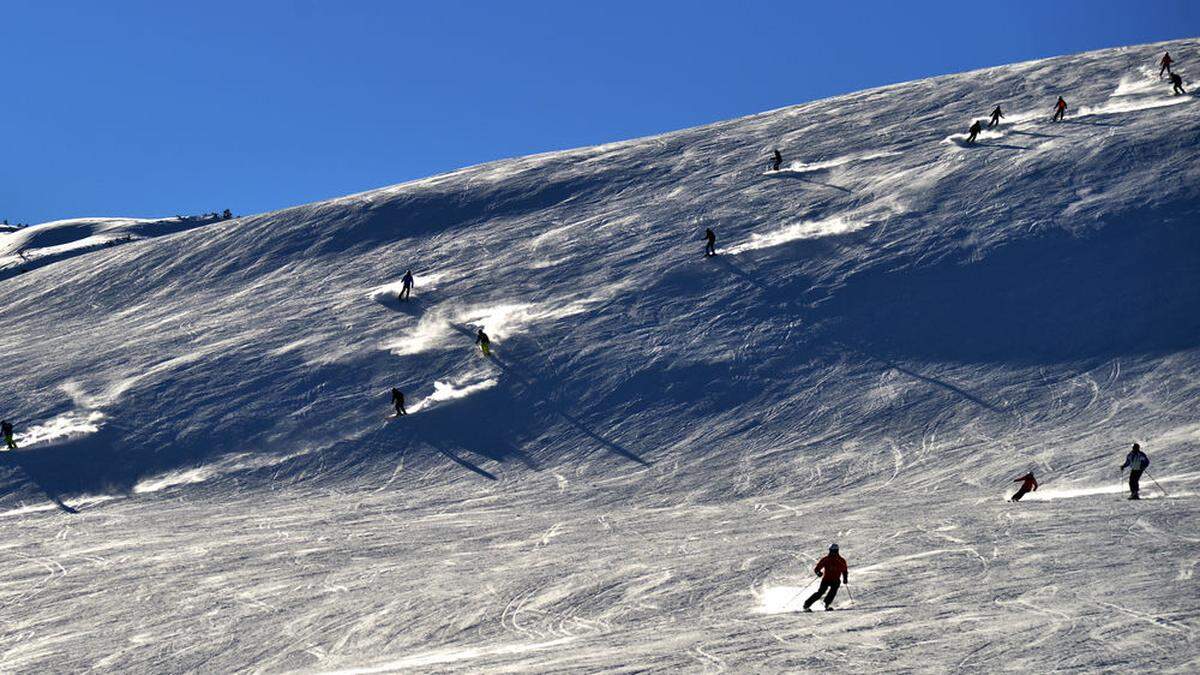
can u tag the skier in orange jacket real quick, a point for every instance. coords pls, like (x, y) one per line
(833, 571)
(1028, 484)
(1060, 109)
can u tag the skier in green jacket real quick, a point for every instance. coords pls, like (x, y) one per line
(485, 345)
(6, 428)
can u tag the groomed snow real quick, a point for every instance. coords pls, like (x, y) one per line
(897, 326)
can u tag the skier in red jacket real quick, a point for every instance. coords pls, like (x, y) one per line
(1028, 484)
(834, 572)
(1166, 64)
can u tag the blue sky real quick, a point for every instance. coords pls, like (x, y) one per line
(159, 108)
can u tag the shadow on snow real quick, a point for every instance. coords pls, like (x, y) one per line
(1132, 288)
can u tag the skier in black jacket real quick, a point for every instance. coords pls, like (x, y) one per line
(1028, 484)
(996, 117)
(406, 286)
(975, 129)
(1177, 84)
(398, 401)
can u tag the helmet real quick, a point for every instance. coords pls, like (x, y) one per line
(833, 547)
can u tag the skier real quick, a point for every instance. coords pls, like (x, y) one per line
(996, 117)
(1028, 484)
(1137, 461)
(710, 248)
(1177, 84)
(485, 345)
(975, 129)
(829, 568)
(407, 284)
(1166, 64)
(778, 161)
(1060, 109)
(398, 401)
(6, 429)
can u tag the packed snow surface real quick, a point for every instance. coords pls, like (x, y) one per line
(897, 325)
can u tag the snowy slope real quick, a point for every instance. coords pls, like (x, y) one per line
(24, 249)
(898, 325)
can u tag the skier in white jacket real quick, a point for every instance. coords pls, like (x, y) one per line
(1137, 462)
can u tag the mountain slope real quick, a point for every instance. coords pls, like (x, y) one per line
(28, 248)
(898, 324)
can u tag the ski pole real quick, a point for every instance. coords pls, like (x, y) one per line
(850, 592)
(800, 593)
(1156, 483)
